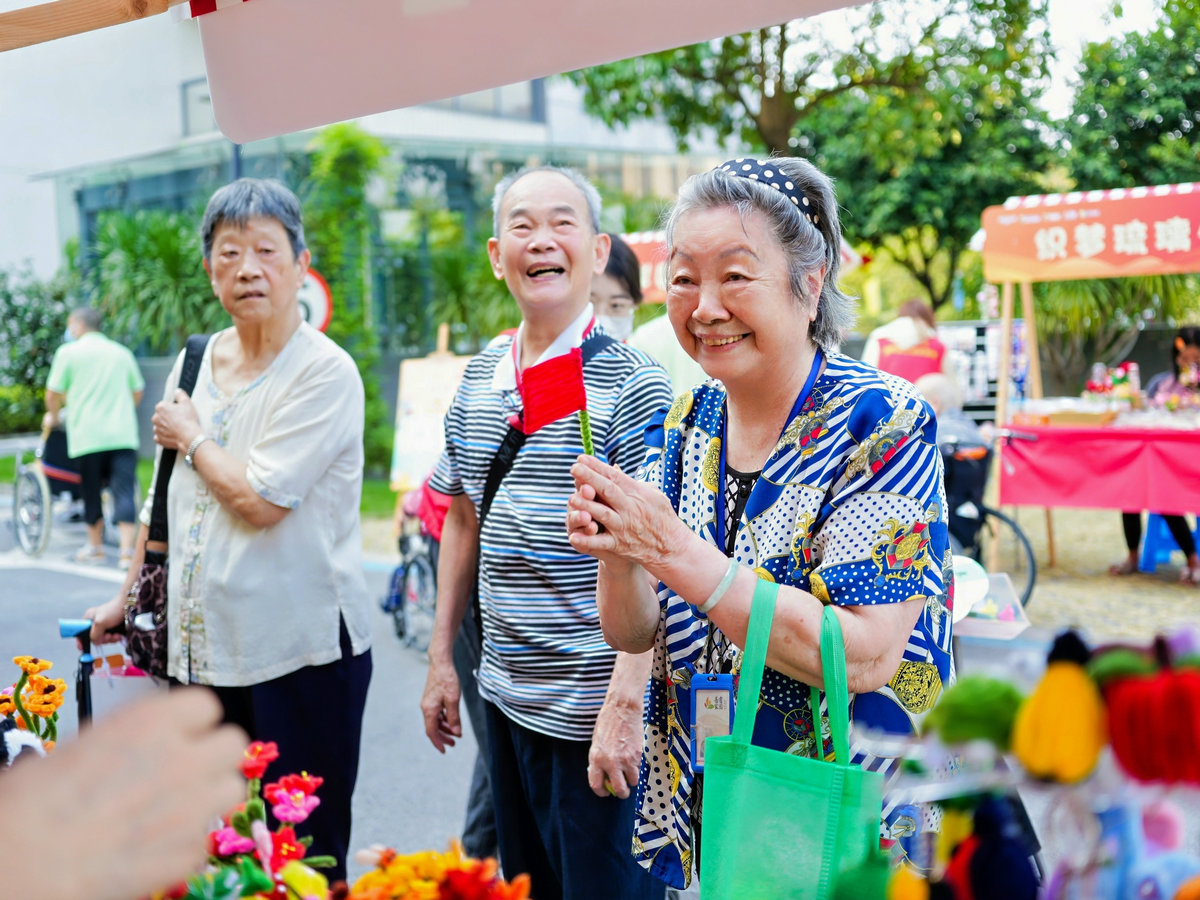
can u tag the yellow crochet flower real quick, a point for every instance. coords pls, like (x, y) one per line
(43, 696)
(31, 665)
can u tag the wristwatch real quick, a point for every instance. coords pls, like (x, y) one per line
(190, 456)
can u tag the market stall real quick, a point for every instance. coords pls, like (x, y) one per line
(1060, 237)
(1105, 467)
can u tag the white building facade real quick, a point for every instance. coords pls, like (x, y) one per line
(120, 118)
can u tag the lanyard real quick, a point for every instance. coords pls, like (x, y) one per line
(719, 500)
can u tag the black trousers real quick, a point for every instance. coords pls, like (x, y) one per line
(1177, 525)
(315, 717)
(117, 468)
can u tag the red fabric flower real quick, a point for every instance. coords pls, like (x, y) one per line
(285, 847)
(289, 784)
(257, 757)
(552, 389)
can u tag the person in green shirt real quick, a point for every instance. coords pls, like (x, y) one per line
(99, 382)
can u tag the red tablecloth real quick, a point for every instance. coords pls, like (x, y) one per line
(1103, 467)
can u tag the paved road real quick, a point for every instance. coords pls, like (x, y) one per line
(408, 795)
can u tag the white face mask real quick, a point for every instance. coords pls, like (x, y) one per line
(619, 327)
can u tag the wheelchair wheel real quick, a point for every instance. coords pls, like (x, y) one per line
(32, 509)
(1014, 554)
(419, 600)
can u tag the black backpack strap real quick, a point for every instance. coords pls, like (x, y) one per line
(192, 356)
(502, 464)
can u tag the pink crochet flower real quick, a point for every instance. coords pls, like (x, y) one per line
(230, 843)
(293, 806)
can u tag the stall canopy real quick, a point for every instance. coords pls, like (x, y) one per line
(1087, 234)
(277, 66)
(1093, 234)
(1117, 233)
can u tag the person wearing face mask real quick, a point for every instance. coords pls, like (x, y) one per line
(618, 292)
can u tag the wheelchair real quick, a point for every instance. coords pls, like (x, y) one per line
(976, 530)
(51, 475)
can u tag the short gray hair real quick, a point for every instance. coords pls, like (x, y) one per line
(253, 198)
(87, 316)
(806, 246)
(590, 194)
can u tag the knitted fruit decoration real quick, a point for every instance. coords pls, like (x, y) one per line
(976, 707)
(1155, 719)
(1060, 729)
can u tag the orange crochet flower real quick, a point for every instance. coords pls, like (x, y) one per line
(31, 665)
(434, 876)
(43, 696)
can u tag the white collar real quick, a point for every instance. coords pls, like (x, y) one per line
(505, 376)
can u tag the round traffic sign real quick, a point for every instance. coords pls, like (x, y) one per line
(316, 302)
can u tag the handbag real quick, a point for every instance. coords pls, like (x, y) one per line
(146, 606)
(778, 825)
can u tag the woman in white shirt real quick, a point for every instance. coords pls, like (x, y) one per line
(266, 598)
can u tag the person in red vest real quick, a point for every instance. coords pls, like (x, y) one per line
(908, 346)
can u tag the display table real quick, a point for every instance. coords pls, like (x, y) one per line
(1106, 467)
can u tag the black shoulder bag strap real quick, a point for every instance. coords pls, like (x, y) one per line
(192, 356)
(502, 464)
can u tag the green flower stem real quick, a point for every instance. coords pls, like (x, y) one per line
(20, 686)
(585, 431)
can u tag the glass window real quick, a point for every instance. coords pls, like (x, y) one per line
(197, 108)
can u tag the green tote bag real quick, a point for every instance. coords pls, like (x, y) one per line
(780, 826)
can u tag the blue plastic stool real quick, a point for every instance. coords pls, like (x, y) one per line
(1158, 544)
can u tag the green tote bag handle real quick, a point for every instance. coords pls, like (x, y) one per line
(790, 826)
(833, 668)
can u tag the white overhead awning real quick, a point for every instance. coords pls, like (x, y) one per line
(278, 66)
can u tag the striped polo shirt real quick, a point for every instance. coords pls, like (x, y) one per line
(545, 663)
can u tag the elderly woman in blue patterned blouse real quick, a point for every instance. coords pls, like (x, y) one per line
(793, 463)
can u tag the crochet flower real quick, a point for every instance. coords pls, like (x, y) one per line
(31, 665)
(292, 806)
(7, 706)
(257, 757)
(43, 696)
(286, 848)
(230, 843)
(302, 782)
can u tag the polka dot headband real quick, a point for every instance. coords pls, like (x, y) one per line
(764, 172)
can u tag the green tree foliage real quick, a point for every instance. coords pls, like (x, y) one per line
(920, 202)
(760, 86)
(1137, 107)
(33, 317)
(150, 282)
(443, 276)
(922, 116)
(1133, 122)
(466, 294)
(338, 223)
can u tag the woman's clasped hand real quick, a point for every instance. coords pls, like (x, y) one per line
(617, 519)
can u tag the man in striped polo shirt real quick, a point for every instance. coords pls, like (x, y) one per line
(564, 710)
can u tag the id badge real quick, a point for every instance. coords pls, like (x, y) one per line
(712, 712)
